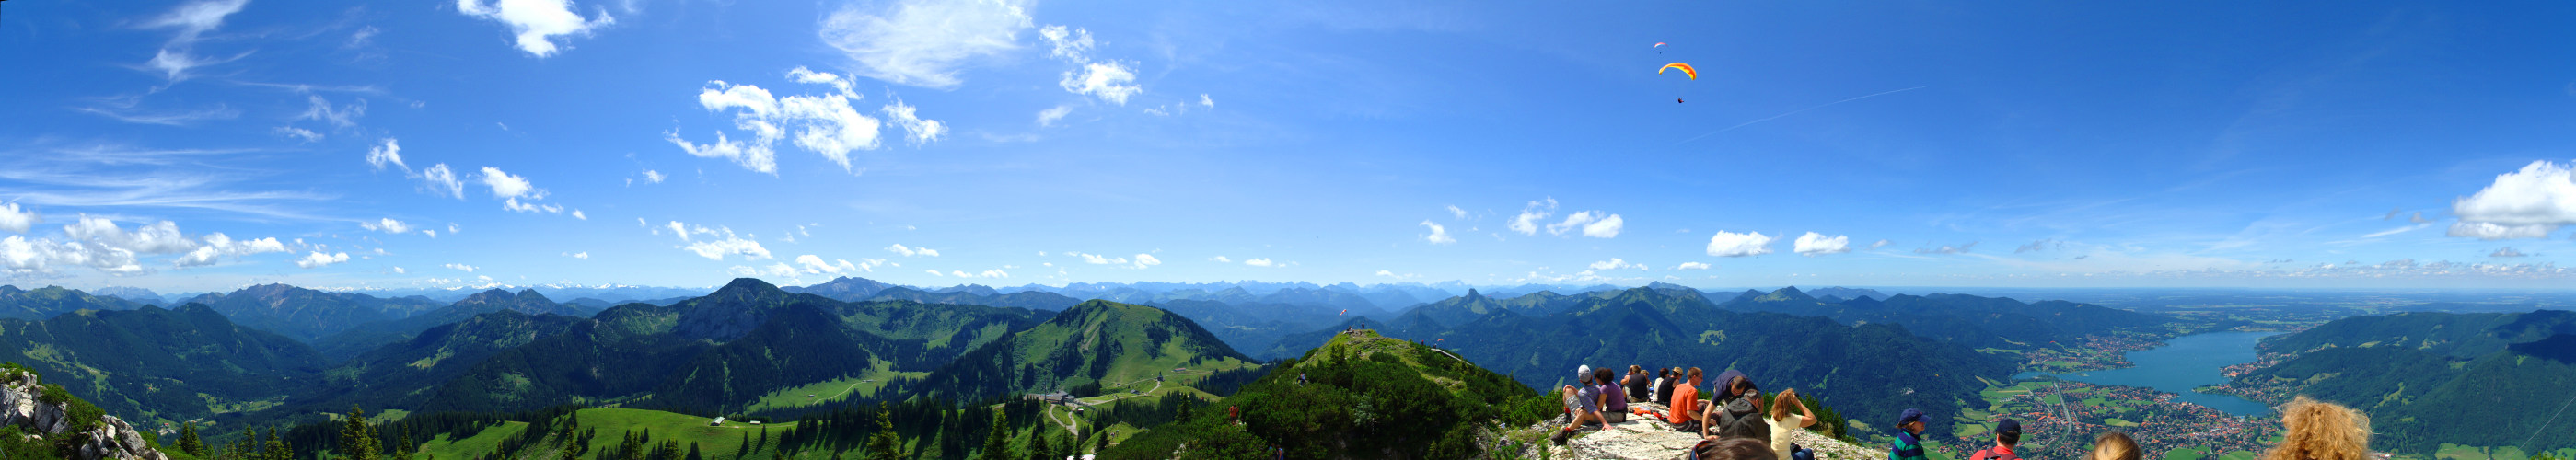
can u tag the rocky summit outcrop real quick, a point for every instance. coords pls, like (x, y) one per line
(22, 404)
(1640, 439)
(113, 439)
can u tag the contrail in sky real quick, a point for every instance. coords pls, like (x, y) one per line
(1794, 112)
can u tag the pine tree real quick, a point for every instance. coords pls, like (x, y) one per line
(630, 447)
(884, 444)
(188, 441)
(403, 448)
(358, 439)
(1104, 438)
(275, 448)
(693, 452)
(1038, 449)
(996, 442)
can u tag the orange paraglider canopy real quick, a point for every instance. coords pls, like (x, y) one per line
(1685, 68)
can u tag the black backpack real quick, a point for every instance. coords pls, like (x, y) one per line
(1744, 423)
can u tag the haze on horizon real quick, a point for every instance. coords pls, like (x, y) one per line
(200, 145)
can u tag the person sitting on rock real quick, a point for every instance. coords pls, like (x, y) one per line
(2007, 434)
(1614, 399)
(1738, 411)
(1664, 380)
(1909, 432)
(1685, 409)
(2316, 430)
(1587, 401)
(1784, 424)
(2113, 445)
(1637, 384)
(1716, 448)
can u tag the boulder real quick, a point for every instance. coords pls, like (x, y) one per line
(113, 439)
(20, 405)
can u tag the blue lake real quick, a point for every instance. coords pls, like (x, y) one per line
(2184, 363)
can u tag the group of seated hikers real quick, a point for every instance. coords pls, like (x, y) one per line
(1738, 423)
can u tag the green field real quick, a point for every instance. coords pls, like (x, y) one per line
(687, 429)
(2460, 452)
(2186, 453)
(829, 390)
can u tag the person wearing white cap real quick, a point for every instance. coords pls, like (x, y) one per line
(1586, 404)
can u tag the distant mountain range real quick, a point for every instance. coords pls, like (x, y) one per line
(731, 349)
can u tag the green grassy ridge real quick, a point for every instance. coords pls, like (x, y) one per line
(1367, 396)
(151, 365)
(724, 351)
(1096, 342)
(2417, 381)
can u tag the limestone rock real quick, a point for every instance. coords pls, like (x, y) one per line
(113, 439)
(20, 406)
(1640, 438)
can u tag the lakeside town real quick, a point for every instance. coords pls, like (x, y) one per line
(2059, 419)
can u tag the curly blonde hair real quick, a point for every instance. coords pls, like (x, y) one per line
(2317, 430)
(2113, 445)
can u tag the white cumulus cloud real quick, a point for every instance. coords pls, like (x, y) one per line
(1691, 266)
(1731, 244)
(1439, 234)
(387, 225)
(1147, 260)
(536, 22)
(1221, 259)
(1262, 262)
(1816, 244)
(1616, 263)
(461, 267)
(388, 154)
(912, 251)
(1049, 116)
(1110, 81)
(717, 249)
(2528, 203)
(826, 124)
(1527, 221)
(504, 185)
(17, 219)
(318, 259)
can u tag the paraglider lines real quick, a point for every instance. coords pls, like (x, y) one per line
(1794, 112)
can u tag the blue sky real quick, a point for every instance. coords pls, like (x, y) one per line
(208, 144)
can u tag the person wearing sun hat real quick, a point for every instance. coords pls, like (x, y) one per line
(1909, 432)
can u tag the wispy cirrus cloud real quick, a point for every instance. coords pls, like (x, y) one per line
(103, 177)
(925, 42)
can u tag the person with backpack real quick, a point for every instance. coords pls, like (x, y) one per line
(2007, 434)
(1909, 432)
(1715, 448)
(1738, 411)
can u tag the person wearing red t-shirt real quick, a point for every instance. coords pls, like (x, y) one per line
(1684, 409)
